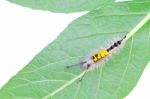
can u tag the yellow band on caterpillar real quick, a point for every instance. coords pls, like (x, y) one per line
(94, 58)
(103, 53)
(99, 55)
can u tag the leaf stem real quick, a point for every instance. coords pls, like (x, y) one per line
(64, 86)
(137, 27)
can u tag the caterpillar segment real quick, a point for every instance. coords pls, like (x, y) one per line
(100, 55)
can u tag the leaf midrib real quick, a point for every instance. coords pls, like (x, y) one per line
(64, 86)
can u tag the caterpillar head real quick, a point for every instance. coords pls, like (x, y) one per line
(87, 63)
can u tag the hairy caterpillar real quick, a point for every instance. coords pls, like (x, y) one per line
(99, 56)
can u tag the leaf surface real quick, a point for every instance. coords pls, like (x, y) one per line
(64, 6)
(46, 77)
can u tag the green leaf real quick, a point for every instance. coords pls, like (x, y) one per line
(63, 5)
(46, 77)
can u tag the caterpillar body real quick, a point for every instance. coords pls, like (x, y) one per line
(97, 57)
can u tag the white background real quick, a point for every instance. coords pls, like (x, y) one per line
(25, 32)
